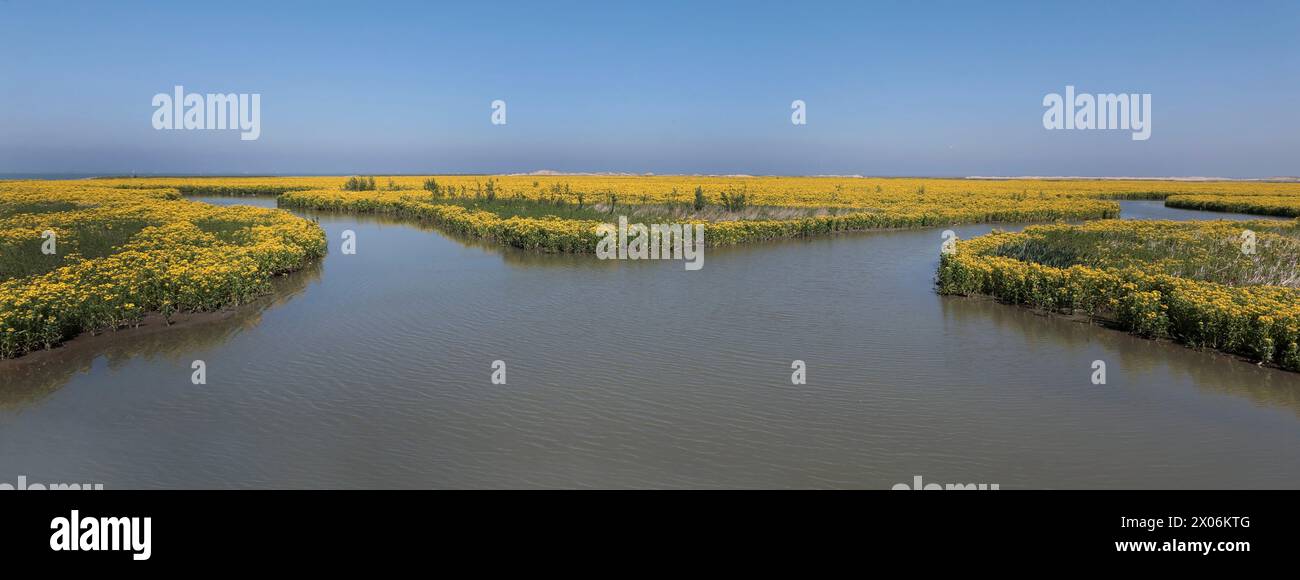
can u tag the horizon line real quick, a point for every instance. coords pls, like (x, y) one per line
(16, 175)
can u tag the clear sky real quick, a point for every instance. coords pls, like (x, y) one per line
(892, 88)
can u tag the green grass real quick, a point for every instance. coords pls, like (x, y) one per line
(1210, 253)
(228, 231)
(85, 240)
(636, 212)
(39, 207)
(238, 191)
(221, 190)
(508, 208)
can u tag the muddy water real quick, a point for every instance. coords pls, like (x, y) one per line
(373, 370)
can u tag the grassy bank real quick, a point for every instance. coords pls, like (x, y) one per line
(1189, 282)
(1279, 205)
(553, 213)
(118, 254)
(816, 194)
(550, 232)
(562, 218)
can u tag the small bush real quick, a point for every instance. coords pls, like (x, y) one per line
(356, 183)
(735, 201)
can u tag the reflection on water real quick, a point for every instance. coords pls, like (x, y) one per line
(1209, 370)
(373, 371)
(30, 378)
(1156, 210)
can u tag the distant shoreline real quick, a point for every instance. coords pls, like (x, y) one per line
(75, 176)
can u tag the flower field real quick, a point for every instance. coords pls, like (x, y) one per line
(565, 211)
(128, 247)
(1280, 205)
(559, 212)
(850, 193)
(1187, 281)
(550, 233)
(119, 254)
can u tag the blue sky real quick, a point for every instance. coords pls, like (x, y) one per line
(892, 88)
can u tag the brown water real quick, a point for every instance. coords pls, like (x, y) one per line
(373, 370)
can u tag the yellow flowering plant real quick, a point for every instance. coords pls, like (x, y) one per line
(121, 253)
(1192, 282)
